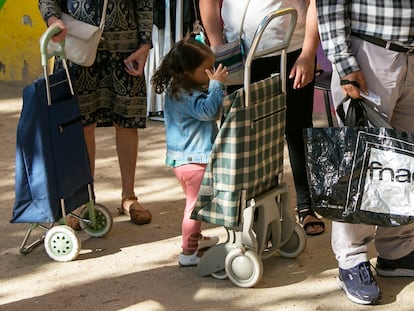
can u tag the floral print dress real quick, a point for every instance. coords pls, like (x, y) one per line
(107, 94)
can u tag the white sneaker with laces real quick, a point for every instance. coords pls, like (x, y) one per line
(188, 260)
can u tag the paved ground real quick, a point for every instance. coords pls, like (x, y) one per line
(135, 267)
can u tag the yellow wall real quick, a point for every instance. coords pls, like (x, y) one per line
(20, 29)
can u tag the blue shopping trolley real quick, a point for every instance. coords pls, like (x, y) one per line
(52, 175)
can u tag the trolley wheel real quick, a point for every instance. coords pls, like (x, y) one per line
(62, 243)
(295, 245)
(103, 222)
(220, 275)
(244, 268)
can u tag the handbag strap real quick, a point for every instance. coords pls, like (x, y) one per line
(102, 24)
(243, 18)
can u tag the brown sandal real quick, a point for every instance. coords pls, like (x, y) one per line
(73, 222)
(139, 215)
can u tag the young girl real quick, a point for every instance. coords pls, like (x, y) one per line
(193, 99)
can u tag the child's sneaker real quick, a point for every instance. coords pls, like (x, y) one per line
(207, 241)
(188, 260)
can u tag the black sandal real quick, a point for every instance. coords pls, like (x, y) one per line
(306, 224)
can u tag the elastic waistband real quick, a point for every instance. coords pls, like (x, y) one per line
(384, 44)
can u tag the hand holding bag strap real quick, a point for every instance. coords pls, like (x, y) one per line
(353, 116)
(360, 113)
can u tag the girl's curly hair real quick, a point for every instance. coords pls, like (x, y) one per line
(186, 55)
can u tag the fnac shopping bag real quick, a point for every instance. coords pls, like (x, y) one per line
(361, 175)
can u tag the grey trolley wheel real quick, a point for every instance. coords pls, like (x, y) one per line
(244, 268)
(295, 245)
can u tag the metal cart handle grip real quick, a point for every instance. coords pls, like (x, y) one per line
(281, 47)
(46, 54)
(44, 41)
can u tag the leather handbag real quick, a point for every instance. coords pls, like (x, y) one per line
(82, 39)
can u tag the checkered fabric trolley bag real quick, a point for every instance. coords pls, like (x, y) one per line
(242, 188)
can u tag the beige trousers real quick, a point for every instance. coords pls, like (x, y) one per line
(391, 76)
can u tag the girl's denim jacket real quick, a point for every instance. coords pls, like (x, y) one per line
(190, 123)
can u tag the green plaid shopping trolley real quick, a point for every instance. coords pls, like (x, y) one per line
(243, 188)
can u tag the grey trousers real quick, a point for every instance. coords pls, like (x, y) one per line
(391, 76)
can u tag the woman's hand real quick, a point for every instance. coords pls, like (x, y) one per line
(219, 74)
(302, 71)
(54, 21)
(135, 63)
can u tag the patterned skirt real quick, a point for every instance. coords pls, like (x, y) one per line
(107, 94)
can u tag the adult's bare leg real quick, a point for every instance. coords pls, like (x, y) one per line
(127, 149)
(89, 133)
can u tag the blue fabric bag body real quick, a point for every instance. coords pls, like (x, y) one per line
(52, 165)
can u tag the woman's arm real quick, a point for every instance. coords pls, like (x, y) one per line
(211, 20)
(51, 12)
(304, 69)
(135, 62)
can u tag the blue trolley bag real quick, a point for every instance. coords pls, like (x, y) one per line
(53, 174)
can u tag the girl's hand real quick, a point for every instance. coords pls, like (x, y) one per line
(219, 74)
(135, 63)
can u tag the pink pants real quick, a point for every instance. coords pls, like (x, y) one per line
(190, 177)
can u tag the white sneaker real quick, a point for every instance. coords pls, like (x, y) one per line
(207, 241)
(188, 260)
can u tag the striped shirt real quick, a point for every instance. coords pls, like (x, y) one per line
(390, 20)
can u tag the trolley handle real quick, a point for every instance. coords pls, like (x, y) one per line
(281, 47)
(44, 41)
(46, 54)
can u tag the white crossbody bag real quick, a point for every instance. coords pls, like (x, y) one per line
(82, 39)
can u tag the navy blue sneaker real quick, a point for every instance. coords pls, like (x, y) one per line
(359, 284)
(398, 267)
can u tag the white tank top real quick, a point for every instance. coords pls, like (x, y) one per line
(232, 11)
